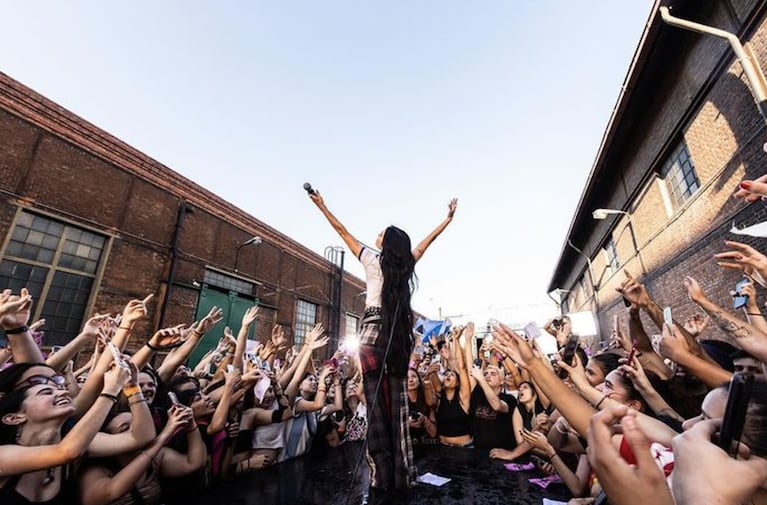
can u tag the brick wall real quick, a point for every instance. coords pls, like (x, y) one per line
(45, 166)
(724, 134)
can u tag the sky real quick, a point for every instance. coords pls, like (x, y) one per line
(388, 108)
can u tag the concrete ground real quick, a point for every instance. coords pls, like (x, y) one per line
(324, 478)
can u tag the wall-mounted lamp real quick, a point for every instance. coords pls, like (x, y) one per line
(603, 213)
(251, 241)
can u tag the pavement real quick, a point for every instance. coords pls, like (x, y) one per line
(325, 477)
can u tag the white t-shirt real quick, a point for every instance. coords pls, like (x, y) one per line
(373, 276)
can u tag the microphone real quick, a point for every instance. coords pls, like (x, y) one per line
(309, 189)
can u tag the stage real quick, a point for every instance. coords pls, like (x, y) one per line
(323, 479)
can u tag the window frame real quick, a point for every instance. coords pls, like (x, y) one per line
(299, 333)
(39, 299)
(668, 175)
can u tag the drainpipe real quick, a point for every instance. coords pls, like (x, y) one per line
(183, 208)
(745, 56)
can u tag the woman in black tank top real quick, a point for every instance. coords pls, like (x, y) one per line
(33, 453)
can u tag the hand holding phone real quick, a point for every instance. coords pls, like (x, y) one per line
(735, 412)
(173, 399)
(740, 300)
(568, 354)
(116, 355)
(667, 316)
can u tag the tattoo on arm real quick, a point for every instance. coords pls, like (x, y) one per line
(727, 324)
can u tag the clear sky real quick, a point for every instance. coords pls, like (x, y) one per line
(388, 108)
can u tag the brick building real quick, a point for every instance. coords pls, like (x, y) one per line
(684, 132)
(88, 222)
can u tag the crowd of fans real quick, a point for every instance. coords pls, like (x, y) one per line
(642, 414)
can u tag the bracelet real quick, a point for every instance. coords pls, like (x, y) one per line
(129, 391)
(140, 400)
(128, 328)
(109, 397)
(16, 331)
(198, 334)
(551, 457)
(747, 313)
(600, 402)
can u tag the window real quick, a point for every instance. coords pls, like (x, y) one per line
(58, 263)
(306, 318)
(679, 176)
(351, 324)
(228, 282)
(611, 256)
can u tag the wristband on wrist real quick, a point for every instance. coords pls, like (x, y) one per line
(131, 390)
(16, 331)
(127, 328)
(600, 402)
(108, 396)
(747, 313)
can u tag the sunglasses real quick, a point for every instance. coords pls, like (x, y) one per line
(35, 380)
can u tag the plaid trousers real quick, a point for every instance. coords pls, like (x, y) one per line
(389, 446)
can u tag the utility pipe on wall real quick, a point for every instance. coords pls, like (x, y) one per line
(745, 56)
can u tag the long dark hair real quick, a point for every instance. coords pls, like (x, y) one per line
(398, 269)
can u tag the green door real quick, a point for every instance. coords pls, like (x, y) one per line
(234, 307)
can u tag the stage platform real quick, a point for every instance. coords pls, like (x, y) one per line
(324, 479)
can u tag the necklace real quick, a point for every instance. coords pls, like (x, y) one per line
(49, 477)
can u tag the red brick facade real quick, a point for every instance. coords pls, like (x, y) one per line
(56, 164)
(681, 86)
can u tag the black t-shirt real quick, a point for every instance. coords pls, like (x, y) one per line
(492, 429)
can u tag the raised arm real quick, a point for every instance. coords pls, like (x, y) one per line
(425, 243)
(19, 459)
(744, 335)
(637, 294)
(242, 337)
(14, 316)
(172, 361)
(351, 242)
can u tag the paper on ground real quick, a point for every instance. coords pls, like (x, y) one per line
(434, 480)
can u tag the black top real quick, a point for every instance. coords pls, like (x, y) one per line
(528, 416)
(492, 429)
(65, 496)
(452, 421)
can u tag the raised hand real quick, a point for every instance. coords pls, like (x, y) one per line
(214, 317)
(37, 325)
(135, 310)
(617, 477)
(179, 417)
(704, 473)
(315, 333)
(250, 316)
(696, 324)
(694, 291)
(15, 309)
(633, 291)
(672, 345)
(745, 258)
(752, 190)
(116, 378)
(316, 197)
(538, 440)
(168, 338)
(451, 207)
(279, 340)
(576, 372)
